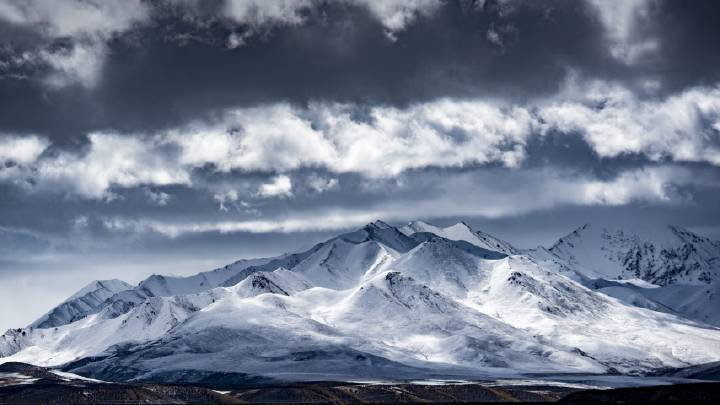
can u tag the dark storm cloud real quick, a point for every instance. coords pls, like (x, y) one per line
(174, 69)
(341, 53)
(178, 66)
(688, 34)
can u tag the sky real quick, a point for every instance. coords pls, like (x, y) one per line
(175, 136)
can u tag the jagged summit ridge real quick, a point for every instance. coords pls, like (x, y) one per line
(664, 268)
(662, 255)
(462, 231)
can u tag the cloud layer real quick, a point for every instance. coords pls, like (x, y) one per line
(374, 141)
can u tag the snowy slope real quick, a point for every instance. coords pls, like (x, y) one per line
(148, 320)
(85, 301)
(117, 297)
(381, 302)
(660, 255)
(530, 297)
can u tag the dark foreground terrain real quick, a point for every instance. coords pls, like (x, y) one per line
(26, 384)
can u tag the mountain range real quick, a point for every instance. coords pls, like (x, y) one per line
(413, 302)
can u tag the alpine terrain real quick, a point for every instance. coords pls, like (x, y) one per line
(415, 302)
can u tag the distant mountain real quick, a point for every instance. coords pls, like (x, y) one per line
(662, 255)
(664, 268)
(384, 302)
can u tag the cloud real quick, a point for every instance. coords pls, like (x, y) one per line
(628, 28)
(81, 64)
(158, 198)
(379, 142)
(280, 137)
(478, 193)
(21, 150)
(394, 15)
(621, 19)
(72, 18)
(78, 33)
(339, 219)
(110, 161)
(270, 138)
(229, 196)
(88, 24)
(279, 186)
(504, 193)
(651, 185)
(683, 127)
(261, 12)
(173, 65)
(386, 141)
(321, 184)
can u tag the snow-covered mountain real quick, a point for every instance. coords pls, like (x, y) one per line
(661, 255)
(664, 268)
(86, 300)
(381, 302)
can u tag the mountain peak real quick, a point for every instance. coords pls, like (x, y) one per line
(378, 224)
(114, 285)
(463, 223)
(86, 300)
(420, 226)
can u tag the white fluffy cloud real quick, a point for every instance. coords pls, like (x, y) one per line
(683, 127)
(271, 138)
(279, 186)
(449, 133)
(110, 161)
(282, 138)
(21, 150)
